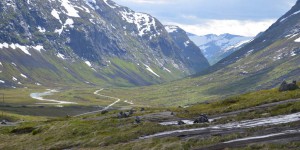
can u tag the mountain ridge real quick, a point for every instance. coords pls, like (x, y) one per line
(216, 47)
(112, 44)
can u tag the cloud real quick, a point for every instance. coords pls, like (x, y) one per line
(148, 1)
(245, 27)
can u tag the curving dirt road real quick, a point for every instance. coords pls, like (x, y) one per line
(105, 108)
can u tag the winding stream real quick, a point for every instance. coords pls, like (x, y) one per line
(241, 124)
(39, 96)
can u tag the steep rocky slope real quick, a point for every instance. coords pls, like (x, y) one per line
(190, 50)
(85, 42)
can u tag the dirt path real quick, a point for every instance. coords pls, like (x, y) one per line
(105, 108)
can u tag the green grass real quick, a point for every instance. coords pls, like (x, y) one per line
(239, 102)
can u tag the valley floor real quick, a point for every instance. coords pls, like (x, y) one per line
(265, 120)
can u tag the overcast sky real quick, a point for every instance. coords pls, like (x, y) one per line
(241, 17)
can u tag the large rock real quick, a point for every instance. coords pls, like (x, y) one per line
(288, 86)
(202, 119)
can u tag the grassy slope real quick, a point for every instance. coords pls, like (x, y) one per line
(262, 73)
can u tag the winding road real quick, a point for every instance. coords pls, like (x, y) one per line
(39, 96)
(105, 108)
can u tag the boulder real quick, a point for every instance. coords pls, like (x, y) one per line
(288, 86)
(180, 122)
(120, 114)
(131, 111)
(137, 120)
(3, 122)
(202, 119)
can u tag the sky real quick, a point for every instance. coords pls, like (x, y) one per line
(201, 17)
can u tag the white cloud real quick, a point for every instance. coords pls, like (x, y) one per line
(149, 1)
(245, 27)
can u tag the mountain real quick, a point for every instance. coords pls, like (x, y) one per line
(272, 57)
(266, 61)
(94, 42)
(217, 47)
(190, 50)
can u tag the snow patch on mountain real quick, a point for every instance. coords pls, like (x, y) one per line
(55, 14)
(297, 40)
(23, 48)
(88, 63)
(69, 22)
(186, 44)
(144, 22)
(42, 30)
(92, 4)
(38, 47)
(59, 55)
(1, 81)
(71, 11)
(24, 76)
(110, 5)
(14, 78)
(293, 53)
(237, 45)
(295, 13)
(166, 69)
(171, 29)
(150, 70)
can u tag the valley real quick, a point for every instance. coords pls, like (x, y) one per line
(92, 74)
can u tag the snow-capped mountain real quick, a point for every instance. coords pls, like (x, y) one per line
(270, 58)
(85, 42)
(190, 50)
(217, 47)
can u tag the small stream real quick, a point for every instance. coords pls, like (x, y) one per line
(282, 119)
(39, 96)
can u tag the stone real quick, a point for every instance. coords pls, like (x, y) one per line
(202, 119)
(288, 86)
(137, 120)
(3, 122)
(180, 122)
